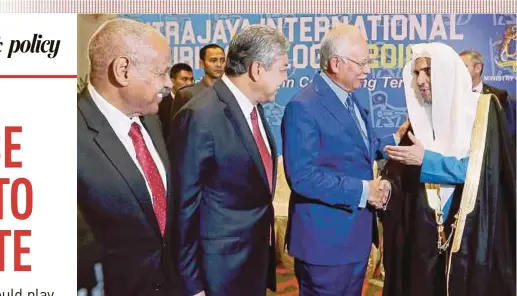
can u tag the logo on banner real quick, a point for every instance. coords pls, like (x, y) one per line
(507, 49)
(274, 113)
(386, 115)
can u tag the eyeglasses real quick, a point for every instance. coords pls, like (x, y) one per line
(360, 64)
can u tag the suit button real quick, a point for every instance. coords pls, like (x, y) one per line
(157, 287)
(165, 245)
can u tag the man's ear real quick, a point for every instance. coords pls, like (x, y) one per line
(120, 69)
(333, 65)
(256, 70)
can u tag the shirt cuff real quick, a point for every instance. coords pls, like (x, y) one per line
(364, 195)
(396, 139)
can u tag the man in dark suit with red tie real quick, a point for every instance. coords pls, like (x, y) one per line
(123, 185)
(224, 166)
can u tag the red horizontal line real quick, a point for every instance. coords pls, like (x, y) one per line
(38, 76)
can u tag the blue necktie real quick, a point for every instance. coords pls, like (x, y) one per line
(350, 106)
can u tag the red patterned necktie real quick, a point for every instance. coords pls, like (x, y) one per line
(152, 175)
(261, 145)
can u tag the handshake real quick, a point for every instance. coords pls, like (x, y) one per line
(379, 193)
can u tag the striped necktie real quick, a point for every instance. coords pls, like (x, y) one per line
(351, 108)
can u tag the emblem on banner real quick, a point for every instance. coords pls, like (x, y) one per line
(274, 113)
(384, 114)
(507, 49)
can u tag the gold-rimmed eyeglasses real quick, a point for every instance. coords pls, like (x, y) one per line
(362, 64)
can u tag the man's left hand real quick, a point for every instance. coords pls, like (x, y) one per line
(410, 155)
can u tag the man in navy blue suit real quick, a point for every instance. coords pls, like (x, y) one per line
(224, 164)
(329, 150)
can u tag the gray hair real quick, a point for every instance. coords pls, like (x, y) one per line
(336, 42)
(254, 43)
(119, 37)
(475, 57)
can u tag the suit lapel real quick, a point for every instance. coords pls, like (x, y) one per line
(272, 144)
(236, 117)
(332, 103)
(365, 115)
(115, 151)
(153, 129)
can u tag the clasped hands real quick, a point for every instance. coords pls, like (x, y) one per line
(379, 193)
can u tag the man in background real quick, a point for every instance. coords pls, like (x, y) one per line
(123, 185)
(181, 76)
(212, 60)
(474, 62)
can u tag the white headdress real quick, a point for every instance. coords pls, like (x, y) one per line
(454, 105)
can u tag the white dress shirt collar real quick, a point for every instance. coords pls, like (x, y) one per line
(246, 107)
(244, 102)
(478, 88)
(120, 122)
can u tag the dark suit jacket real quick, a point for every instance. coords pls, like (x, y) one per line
(226, 208)
(169, 106)
(89, 254)
(165, 115)
(506, 104)
(184, 95)
(113, 200)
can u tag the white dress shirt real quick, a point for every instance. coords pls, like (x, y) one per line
(478, 88)
(246, 108)
(121, 124)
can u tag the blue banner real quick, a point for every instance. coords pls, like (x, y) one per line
(390, 38)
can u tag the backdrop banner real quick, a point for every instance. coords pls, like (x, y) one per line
(390, 38)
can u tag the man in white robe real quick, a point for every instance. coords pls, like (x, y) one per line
(449, 228)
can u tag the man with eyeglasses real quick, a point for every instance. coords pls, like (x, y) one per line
(329, 150)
